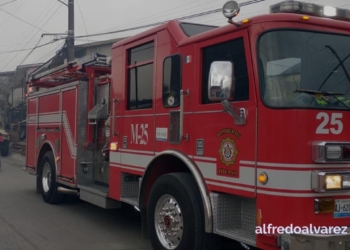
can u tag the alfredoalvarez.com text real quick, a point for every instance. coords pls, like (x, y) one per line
(270, 229)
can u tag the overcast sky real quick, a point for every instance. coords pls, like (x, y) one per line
(22, 22)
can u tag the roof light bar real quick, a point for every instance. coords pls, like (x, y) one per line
(310, 9)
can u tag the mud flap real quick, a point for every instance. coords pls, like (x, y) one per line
(144, 224)
(38, 186)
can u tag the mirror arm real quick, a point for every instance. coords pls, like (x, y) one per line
(239, 116)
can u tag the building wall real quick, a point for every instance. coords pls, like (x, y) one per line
(17, 96)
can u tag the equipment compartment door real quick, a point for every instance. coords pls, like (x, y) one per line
(68, 135)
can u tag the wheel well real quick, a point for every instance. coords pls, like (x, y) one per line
(171, 162)
(44, 149)
(165, 164)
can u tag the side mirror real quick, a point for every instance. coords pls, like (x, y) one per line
(221, 83)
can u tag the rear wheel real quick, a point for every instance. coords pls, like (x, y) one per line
(175, 215)
(48, 182)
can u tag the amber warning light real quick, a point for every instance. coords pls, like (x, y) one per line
(263, 178)
(114, 146)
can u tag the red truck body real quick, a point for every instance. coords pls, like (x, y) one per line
(114, 131)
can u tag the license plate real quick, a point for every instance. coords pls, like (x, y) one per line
(342, 208)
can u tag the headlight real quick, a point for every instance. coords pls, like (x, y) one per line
(333, 152)
(327, 152)
(346, 181)
(333, 181)
(323, 181)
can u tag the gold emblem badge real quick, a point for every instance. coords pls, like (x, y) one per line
(228, 151)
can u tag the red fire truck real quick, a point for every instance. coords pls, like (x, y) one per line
(207, 131)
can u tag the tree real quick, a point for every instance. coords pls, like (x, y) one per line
(5, 91)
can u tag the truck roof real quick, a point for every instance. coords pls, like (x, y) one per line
(178, 30)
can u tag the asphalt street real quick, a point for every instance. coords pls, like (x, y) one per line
(27, 223)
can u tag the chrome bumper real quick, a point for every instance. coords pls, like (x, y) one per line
(316, 242)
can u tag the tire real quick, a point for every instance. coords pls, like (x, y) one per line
(47, 180)
(5, 148)
(179, 195)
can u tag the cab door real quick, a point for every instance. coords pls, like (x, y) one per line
(225, 149)
(173, 118)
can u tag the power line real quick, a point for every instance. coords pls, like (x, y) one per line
(162, 22)
(8, 2)
(26, 35)
(82, 16)
(57, 49)
(14, 84)
(20, 50)
(138, 27)
(8, 17)
(23, 61)
(216, 20)
(21, 20)
(44, 23)
(34, 36)
(163, 14)
(30, 52)
(10, 44)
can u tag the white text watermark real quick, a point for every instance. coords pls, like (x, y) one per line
(291, 229)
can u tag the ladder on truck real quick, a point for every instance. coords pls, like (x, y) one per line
(67, 72)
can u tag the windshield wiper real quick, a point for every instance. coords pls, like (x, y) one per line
(323, 93)
(316, 92)
(341, 63)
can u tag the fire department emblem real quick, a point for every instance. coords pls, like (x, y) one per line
(228, 151)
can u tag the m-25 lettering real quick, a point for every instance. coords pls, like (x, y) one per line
(139, 134)
(335, 122)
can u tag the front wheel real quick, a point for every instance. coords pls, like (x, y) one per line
(48, 182)
(175, 215)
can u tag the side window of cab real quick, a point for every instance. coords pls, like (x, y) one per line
(231, 51)
(171, 81)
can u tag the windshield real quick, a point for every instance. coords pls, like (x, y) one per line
(291, 60)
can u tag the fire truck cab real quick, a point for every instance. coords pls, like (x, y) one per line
(209, 131)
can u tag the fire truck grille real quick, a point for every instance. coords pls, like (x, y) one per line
(175, 127)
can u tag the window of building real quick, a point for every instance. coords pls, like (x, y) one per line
(171, 81)
(234, 52)
(140, 76)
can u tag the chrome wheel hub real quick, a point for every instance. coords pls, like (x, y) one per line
(46, 177)
(168, 222)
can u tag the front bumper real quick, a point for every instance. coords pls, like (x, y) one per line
(316, 242)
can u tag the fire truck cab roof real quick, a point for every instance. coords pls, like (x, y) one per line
(288, 11)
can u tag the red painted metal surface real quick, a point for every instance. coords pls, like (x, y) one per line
(274, 141)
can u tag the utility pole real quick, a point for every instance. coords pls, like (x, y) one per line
(70, 37)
